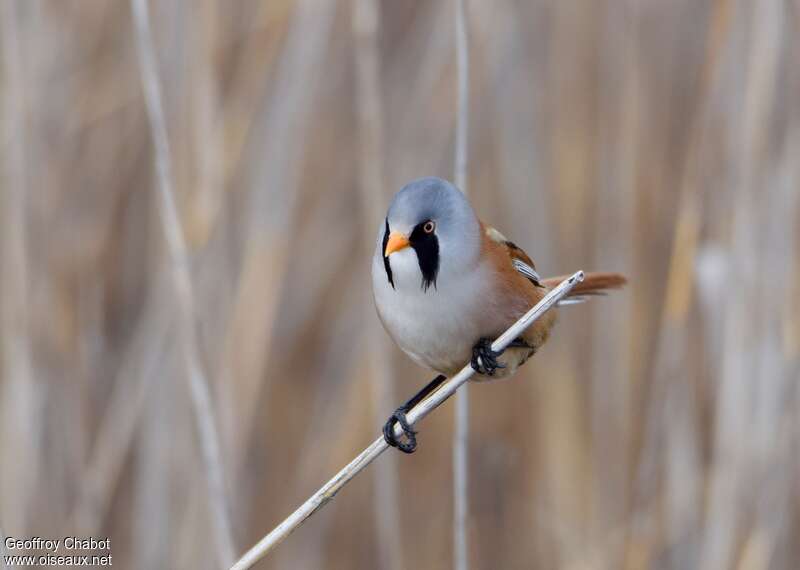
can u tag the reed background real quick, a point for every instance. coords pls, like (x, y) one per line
(659, 427)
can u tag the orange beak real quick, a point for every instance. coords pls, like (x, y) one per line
(397, 241)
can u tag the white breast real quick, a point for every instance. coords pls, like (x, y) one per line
(438, 327)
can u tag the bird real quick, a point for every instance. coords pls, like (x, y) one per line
(445, 285)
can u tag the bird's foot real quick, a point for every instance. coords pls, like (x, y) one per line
(484, 359)
(399, 417)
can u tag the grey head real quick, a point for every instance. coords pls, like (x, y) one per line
(431, 233)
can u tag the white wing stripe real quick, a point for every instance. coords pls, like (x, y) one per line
(526, 270)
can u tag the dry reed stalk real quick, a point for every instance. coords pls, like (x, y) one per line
(328, 491)
(372, 181)
(461, 431)
(179, 267)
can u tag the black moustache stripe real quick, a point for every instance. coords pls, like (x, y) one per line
(386, 264)
(427, 247)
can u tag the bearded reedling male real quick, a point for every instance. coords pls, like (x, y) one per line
(446, 284)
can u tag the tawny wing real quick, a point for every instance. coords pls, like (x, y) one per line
(520, 288)
(593, 283)
(520, 260)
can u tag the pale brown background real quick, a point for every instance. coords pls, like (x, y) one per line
(659, 427)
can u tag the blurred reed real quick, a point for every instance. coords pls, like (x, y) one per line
(660, 139)
(461, 558)
(184, 296)
(374, 196)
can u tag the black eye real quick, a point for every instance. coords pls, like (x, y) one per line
(429, 227)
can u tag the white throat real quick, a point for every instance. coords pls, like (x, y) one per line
(406, 273)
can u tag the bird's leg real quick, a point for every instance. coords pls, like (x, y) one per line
(484, 359)
(399, 416)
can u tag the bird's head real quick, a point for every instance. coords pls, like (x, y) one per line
(430, 233)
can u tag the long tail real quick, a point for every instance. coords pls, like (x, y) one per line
(592, 284)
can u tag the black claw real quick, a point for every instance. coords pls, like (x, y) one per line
(484, 359)
(399, 416)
